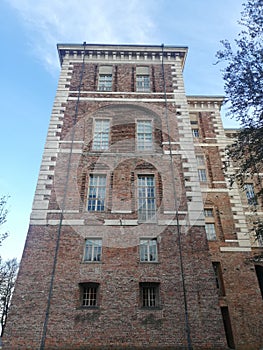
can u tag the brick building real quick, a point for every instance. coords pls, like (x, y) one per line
(135, 238)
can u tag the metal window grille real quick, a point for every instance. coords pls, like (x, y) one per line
(150, 295)
(105, 82)
(89, 296)
(144, 135)
(146, 198)
(96, 193)
(101, 134)
(93, 250)
(148, 250)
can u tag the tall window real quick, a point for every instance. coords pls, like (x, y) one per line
(101, 134)
(148, 250)
(210, 231)
(105, 78)
(89, 294)
(144, 135)
(93, 250)
(195, 133)
(97, 192)
(142, 79)
(219, 278)
(149, 293)
(202, 175)
(250, 193)
(146, 198)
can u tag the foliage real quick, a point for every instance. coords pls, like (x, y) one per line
(3, 215)
(8, 272)
(243, 77)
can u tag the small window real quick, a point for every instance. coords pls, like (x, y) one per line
(195, 133)
(101, 134)
(89, 294)
(250, 193)
(144, 135)
(219, 278)
(146, 198)
(208, 213)
(148, 250)
(210, 231)
(97, 192)
(202, 175)
(149, 294)
(93, 250)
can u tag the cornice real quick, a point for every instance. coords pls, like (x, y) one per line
(122, 53)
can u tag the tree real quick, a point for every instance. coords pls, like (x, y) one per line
(243, 77)
(3, 215)
(8, 272)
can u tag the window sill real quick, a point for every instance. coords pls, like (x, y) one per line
(90, 262)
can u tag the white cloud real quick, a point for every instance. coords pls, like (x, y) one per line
(102, 21)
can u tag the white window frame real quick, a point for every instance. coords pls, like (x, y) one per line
(101, 134)
(146, 198)
(97, 192)
(144, 135)
(93, 250)
(148, 250)
(210, 231)
(142, 82)
(105, 82)
(202, 175)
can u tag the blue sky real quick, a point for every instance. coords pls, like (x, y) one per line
(29, 33)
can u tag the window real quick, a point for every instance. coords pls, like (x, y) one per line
(208, 213)
(251, 197)
(105, 78)
(195, 133)
(101, 134)
(200, 160)
(210, 231)
(142, 79)
(92, 250)
(89, 294)
(202, 175)
(144, 135)
(97, 191)
(259, 272)
(149, 293)
(148, 250)
(219, 278)
(146, 198)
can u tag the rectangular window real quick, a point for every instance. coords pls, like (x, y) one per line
(144, 135)
(142, 83)
(149, 293)
(200, 160)
(89, 294)
(105, 78)
(202, 175)
(96, 192)
(250, 193)
(208, 213)
(219, 278)
(93, 250)
(210, 231)
(146, 198)
(101, 134)
(195, 133)
(148, 250)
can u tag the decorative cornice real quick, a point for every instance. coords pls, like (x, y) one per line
(122, 53)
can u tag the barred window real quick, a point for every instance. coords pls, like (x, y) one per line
(96, 192)
(93, 250)
(89, 294)
(149, 293)
(101, 134)
(148, 250)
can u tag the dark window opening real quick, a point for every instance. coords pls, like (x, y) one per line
(259, 272)
(228, 328)
(219, 278)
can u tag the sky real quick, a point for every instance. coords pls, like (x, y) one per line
(29, 33)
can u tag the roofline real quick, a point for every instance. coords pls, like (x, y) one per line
(180, 50)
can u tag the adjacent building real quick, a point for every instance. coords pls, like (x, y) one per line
(136, 240)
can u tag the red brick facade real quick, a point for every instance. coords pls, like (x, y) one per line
(134, 181)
